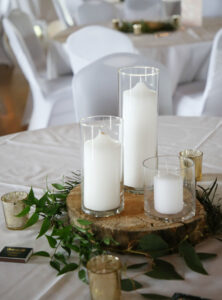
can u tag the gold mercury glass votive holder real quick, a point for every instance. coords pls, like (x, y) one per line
(137, 29)
(197, 158)
(104, 273)
(115, 23)
(12, 205)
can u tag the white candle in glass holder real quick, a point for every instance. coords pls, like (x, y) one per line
(102, 173)
(140, 131)
(168, 193)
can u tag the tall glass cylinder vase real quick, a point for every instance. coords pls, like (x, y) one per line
(138, 94)
(102, 172)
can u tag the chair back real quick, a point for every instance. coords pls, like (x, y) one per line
(63, 12)
(24, 25)
(93, 42)
(213, 90)
(21, 53)
(5, 6)
(94, 12)
(95, 88)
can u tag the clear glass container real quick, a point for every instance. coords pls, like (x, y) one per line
(12, 205)
(138, 94)
(102, 171)
(169, 188)
(104, 273)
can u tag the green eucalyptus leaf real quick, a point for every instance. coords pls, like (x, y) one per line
(107, 241)
(203, 256)
(58, 186)
(52, 242)
(130, 285)
(74, 248)
(155, 297)
(136, 266)
(32, 220)
(153, 244)
(60, 195)
(82, 276)
(55, 264)
(163, 270)
(45, 227)
(43, 199)
(191, 258)
(59, 256)
(24, 212)
(67, 249)
(41, 253)
(84, 222)
(68, 268)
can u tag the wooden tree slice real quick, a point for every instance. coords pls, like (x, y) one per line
(131, 224)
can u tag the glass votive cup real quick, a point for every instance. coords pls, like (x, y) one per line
(104, 274)
(137, 29)
(169, 188)
(197, 158)
(102, 166)
(115, 23)
(12, 205)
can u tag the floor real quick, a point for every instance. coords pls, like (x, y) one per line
(13, 94)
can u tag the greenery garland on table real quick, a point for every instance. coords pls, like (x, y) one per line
(147, 27)
(65, 239)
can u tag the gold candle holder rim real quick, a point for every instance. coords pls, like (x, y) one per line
(14, 197)
(92, 267)
(191, 153)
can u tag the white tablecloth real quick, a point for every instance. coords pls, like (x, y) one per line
(185, 52)
(34, 158)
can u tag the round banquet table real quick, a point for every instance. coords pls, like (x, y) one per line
(38, 158)
(184, 52)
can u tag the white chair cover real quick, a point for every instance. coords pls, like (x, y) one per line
(95, 88)
(63, 12)
(197, 98)
(45, 93)
(93, 42)
(94, 12)
(142, 9)
(212, 8)
(24, 25)
(213, 90)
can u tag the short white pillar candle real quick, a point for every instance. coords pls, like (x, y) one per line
(102, 173)
(168, 193)
(140, 131)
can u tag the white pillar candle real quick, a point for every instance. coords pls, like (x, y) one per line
(168, 193)
(102, 173)
(140, 131)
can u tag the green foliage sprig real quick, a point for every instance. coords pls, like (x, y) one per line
(147, 27)
(74, 245)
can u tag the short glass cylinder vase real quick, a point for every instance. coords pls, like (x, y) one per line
(104, 274)
(12, 205)
(169, 188)
(102, 171)
(138, 94)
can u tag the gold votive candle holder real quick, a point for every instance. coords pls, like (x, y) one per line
(104, 273)
(197, 157)
(115, 23)
(12, 205)
(137, 29)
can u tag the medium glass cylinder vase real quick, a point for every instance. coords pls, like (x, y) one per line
(169, 192)
(102, 172)
(138, 94)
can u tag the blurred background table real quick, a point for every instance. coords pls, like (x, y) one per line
(184, 52)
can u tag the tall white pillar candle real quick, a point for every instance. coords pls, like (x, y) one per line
(140, 131)
(168, 193)
(102, 173)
